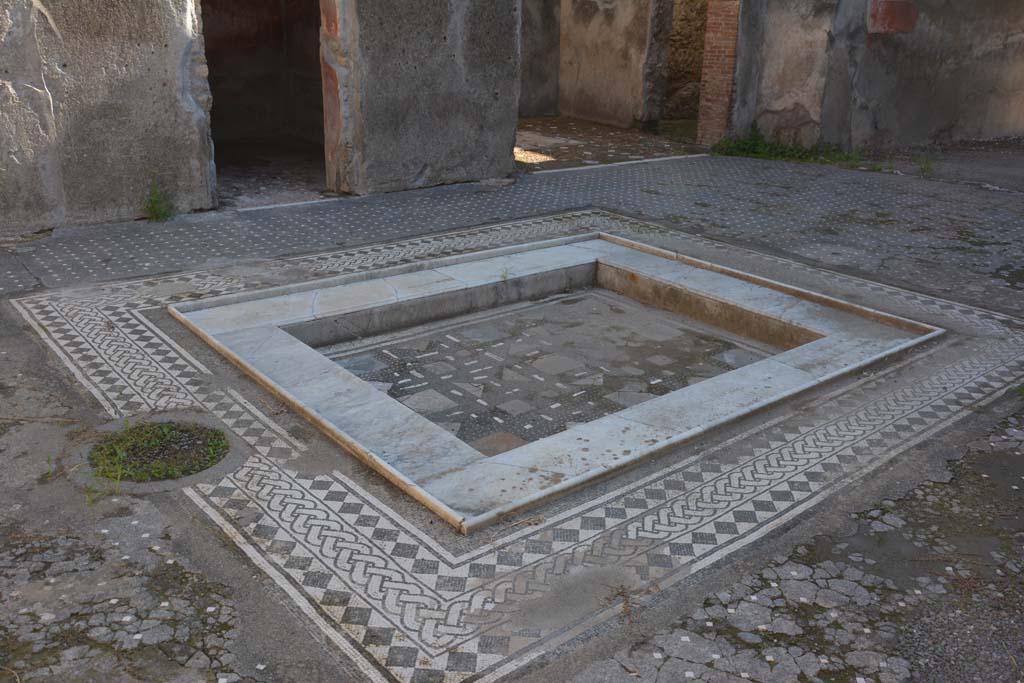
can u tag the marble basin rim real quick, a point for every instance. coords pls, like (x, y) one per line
(273, 335)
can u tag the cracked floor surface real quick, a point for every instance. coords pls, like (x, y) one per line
(929, 587)
(81, 611)
(949, 239)
(98, 584)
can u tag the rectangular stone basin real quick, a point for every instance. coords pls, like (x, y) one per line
(486, 384)
(520, 373)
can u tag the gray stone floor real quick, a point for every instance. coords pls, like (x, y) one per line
(269, 173)
(943, 237)
(106, 606)
(988, 164)
(509, 377)
(902, 579)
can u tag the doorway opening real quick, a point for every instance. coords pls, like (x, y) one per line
(589, 93)
(681, 106)
(267, 119)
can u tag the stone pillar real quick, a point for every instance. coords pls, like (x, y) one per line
(418, 94)
(98, 102)
(718, 71)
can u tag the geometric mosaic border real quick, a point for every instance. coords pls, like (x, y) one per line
(402, 606)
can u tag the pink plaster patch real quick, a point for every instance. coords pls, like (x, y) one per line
(329, 17)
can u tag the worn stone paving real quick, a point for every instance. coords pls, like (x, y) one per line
(927, 588)
(992, 165)
(506, 378)
(81, 610)
(948, 239)
(265, 172)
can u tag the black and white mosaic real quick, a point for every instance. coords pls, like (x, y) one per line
(517, 375)
(400, 603)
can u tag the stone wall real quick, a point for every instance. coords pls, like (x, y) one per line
(97, 102)
(685, 56)
(881, 73)
(538, 94)
(613, 57)
(419, 98)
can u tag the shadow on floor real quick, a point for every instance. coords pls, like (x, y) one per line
(265, 172)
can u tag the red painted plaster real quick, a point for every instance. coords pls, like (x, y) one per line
(892, 16)
(329, 17)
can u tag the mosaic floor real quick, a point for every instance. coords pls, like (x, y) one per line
(506, 378)
(816, 212)
(419, 605)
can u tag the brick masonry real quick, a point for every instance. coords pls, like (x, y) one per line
(717, 77)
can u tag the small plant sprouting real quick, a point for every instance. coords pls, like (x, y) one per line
(158, 206)
(93, 494)
(925, 166)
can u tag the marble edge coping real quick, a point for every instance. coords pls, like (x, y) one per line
(506, 509)
(758, 297)
(906, 324)
(773, 395)
(466, 521)
(378, 464)
(352, 278)
(859, 310)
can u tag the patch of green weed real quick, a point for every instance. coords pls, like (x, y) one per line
(158, 205)
(756, 145)
(154, 451)
(925, 166)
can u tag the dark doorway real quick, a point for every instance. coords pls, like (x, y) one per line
(681, 105)
(268, 122)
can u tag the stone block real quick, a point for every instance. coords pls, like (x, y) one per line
(420, 96)
(98, 101)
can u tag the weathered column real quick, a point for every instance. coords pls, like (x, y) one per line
(418, 94)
